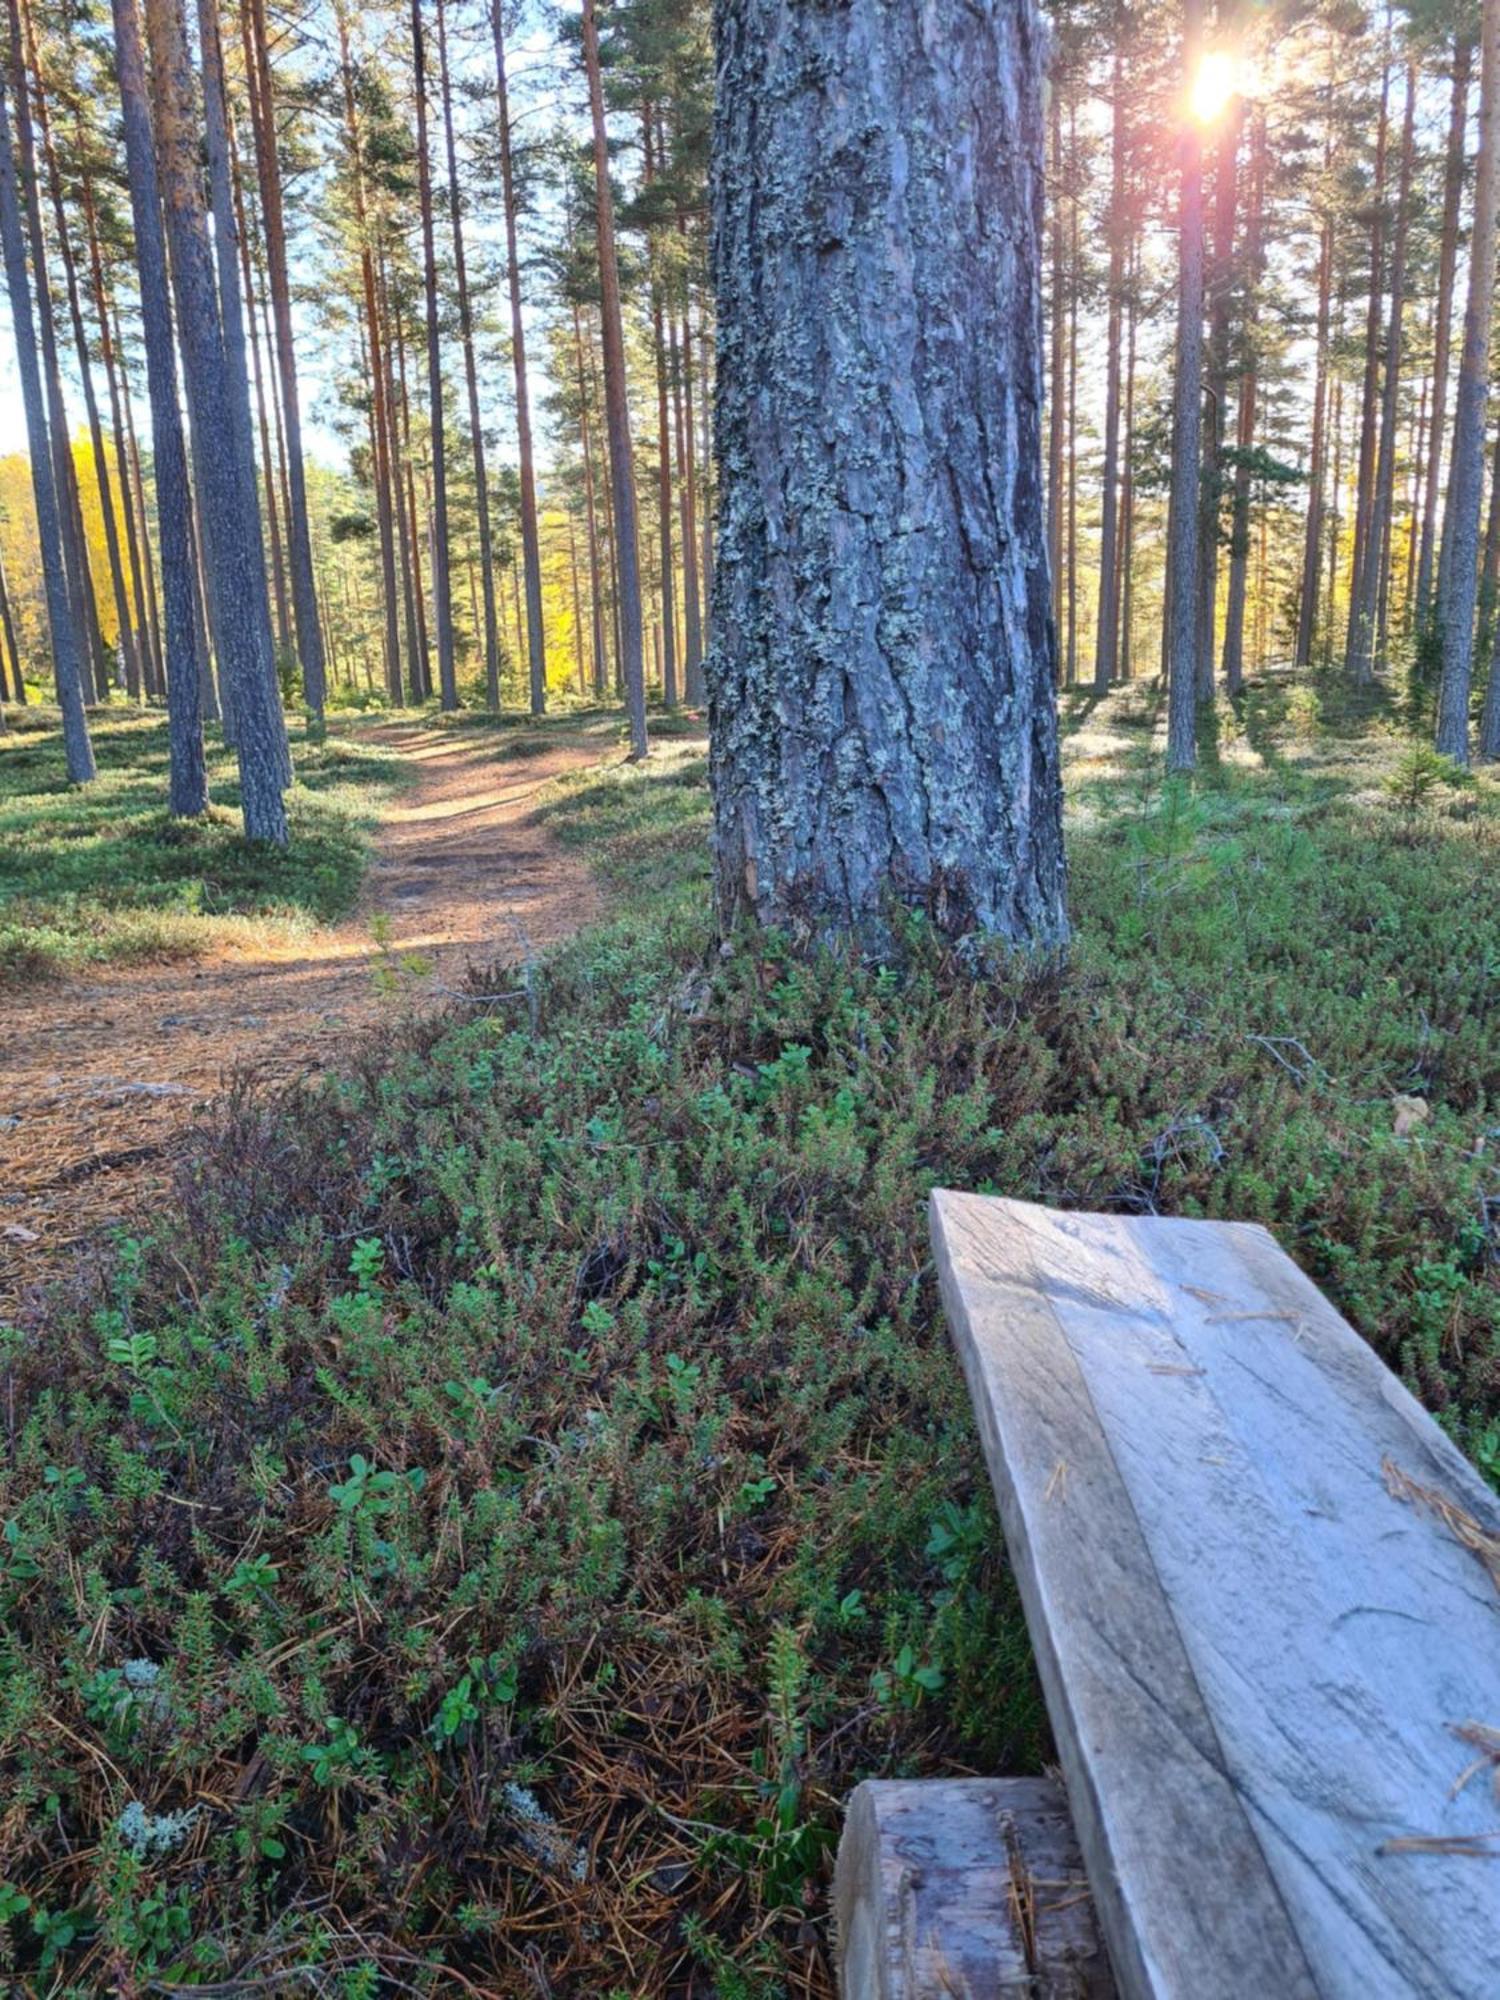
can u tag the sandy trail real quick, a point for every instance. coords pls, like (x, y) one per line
(102, 1074)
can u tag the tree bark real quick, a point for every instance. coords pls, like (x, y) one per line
(663, 448)
(687, 501)
(1057, 370)
(1312, 546)
(442, 588)
(1466, 476)
(189, 780)
(616, 405)
(531, 549)
(235, 411)
(1216, 389)
(12, 650)
(219, 408)
(596, 588)
(1370, 395)
(380, 420)
(1453, 184)
(143, 523)
(1127, 492)
(67, 665)
(1106, 638)
(471, 380)
(92, 662)
(130, 657)
(1181, 620)
(264, 406)
(137, 554)
(1239, 531)
(404, 496)
(1365, 602)
(262, 96)
(882, 659)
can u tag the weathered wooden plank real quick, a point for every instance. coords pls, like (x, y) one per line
(965, 1889)
(1255, 1652)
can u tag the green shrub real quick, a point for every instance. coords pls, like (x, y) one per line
(532, 1462)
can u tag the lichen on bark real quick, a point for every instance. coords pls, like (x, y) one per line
(881, 677)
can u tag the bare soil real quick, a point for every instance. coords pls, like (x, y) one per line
(103, 1075)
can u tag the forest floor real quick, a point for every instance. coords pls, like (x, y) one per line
(517, 1482)
(107, 1067)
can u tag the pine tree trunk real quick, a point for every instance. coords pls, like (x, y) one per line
(219, 409)
(411, 585)
(531, 550)
(881, 666)
(1127, 492)
(616, 405)
(12, 650)
(1106, 638)
(138, 558)
(1181, 620)
(1057, 369)
(67, 665)
(1335, 515)
(89, 642)
(281, 609)
(234, 412)
(1239, 532)
(1364, 605)
(583, 686)
(179, 572)
(707, 488)
(471, 379)
(1216, 391)
(380, 416)
(611, 545)
(143, 523)
(129, 655)
(663, 448)
(1364, 491)
(687, 497)
(1466, 475)
(596, 588)
(261, 91)
(1453, 183)
(442, 588)
(1312, 546)
(1489, 624)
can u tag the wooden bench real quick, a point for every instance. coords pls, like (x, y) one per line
(1264, 1593)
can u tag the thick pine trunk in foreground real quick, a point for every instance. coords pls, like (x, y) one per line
(1460, 556)
(882, 656)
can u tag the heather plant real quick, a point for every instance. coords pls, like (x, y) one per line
(531, 1467)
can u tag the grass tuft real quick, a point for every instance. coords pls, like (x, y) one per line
(100, 874)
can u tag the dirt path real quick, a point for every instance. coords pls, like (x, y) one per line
(102, 1074)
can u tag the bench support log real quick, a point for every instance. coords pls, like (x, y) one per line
(965, 1889)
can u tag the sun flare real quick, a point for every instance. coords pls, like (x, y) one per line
(1213, 86)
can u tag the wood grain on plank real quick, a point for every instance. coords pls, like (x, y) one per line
(1255, 1652)
(965, 1889)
